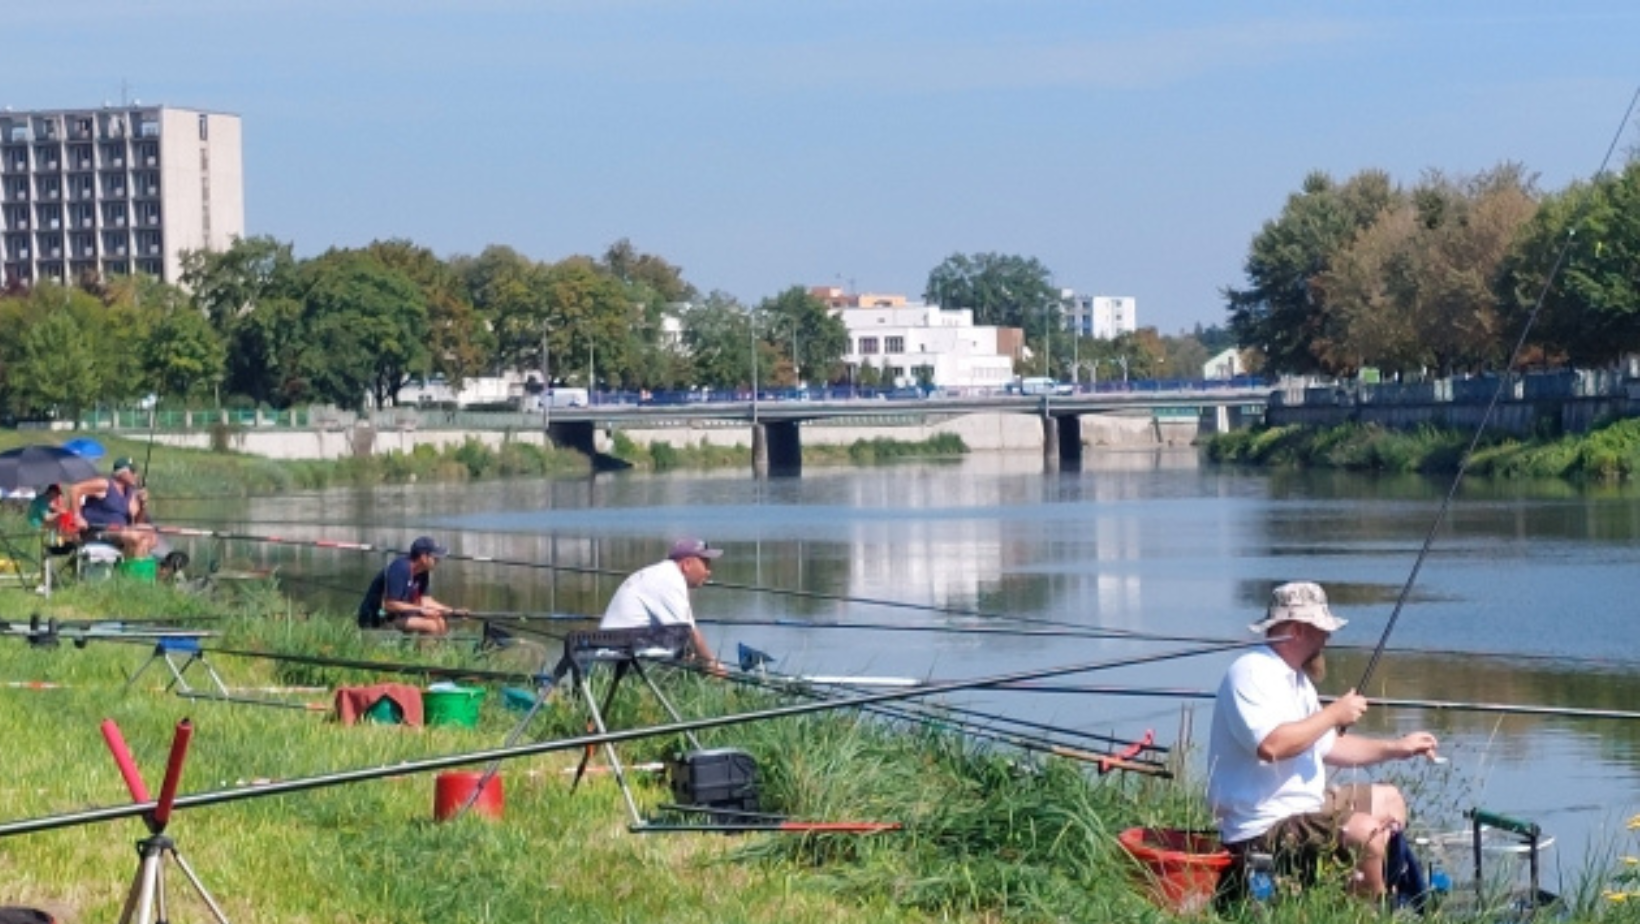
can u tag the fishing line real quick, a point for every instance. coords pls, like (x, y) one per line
(751, 588)
(1486, 416)
(1571, 712)
(928, 716)
(468, 758)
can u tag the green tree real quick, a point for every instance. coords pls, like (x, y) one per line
(626, 263)
(717, 337)
(1003, 290)
(1281, 312)
(227, 284)
(801, 329)
(458, 345)
(1591, 315)
(364, 326)
(54, 372)
(182, 355)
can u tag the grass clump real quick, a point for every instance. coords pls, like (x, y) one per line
(1610, 453)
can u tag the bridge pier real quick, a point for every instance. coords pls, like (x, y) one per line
(1050, 442)
(777, 449)
(1070, 438)
(581, 436)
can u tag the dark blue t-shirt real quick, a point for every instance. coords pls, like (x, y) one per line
(395, 582)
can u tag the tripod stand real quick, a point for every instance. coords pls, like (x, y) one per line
(146, 902)
(626, 649)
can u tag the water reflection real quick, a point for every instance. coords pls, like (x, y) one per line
(1136, 541)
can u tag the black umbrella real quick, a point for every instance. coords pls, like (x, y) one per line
(37, 466)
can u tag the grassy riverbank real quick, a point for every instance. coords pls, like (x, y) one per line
(990, 834)
(1610, 453)
(178, 472)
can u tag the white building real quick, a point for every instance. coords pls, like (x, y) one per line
(914, 342)
(1103, 317)
(116, 191)
(1226, 365)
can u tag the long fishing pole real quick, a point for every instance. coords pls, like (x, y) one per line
(1569, 712)
(938, 717)
(1486, 417)
(468, 758)
(723, 585)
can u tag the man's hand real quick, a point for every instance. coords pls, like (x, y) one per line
(1416, 744)
(1348, 709)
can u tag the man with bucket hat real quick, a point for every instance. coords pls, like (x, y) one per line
(398, 597)
(659, 594)
(1272, 739)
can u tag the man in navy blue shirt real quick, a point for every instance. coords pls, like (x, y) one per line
(398, 597)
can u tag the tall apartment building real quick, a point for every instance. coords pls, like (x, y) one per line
(1104, 317)
(116, 191)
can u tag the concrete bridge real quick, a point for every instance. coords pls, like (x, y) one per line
(776, 425)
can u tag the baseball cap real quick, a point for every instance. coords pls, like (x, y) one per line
(692, 547)
(124, 463)
(424, 545)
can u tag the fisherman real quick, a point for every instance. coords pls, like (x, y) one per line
(658, 595)
(114, 508)
(1271, 737)
(398, 598)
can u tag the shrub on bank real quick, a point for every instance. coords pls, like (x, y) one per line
(1609, 453)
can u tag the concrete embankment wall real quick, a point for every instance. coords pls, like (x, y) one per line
(1567, 402)
(980, 432)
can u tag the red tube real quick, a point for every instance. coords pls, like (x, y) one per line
(122, 759)
(173, 773)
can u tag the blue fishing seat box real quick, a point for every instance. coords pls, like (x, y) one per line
(724, 778)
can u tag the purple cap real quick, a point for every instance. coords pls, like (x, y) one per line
(691, 547)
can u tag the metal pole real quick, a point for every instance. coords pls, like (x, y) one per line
(451, 761)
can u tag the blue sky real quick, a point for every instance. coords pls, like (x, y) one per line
(1133, 148)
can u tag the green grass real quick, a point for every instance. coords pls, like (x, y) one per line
(1610, 453)
(990, 834)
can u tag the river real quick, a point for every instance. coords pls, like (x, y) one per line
(1527, 595)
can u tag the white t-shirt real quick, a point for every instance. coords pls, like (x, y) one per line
(1247, 795)
(653, 596)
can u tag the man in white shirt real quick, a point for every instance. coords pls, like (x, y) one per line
(1271, 740)
(659, 594)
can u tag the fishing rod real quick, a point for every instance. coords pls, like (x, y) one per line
(1569, 712)
(933, 717)
(723, 585)
(468, 758)
(1085, 632)
(1486, 416)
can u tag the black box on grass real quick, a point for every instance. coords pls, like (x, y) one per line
(724, 778)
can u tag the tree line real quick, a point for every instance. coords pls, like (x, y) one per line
(1442, 277)
(254, 325)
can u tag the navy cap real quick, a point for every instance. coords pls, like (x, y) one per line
(424, 545)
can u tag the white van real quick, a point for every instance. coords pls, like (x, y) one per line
(1042, 385)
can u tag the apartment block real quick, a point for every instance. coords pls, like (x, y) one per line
(116, 191)
(1104, 317)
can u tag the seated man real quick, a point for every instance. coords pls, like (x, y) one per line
(1271, 738)
(658, 595)
(113, 508)
(398, 597)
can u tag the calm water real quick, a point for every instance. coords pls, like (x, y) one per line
(1528, 595)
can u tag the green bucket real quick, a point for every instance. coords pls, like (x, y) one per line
(457, 707)
(384, 712)
(145, 570)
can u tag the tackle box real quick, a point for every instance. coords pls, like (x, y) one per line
(724, 778)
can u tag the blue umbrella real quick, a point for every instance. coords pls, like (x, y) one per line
(87, 448)
(34, 467)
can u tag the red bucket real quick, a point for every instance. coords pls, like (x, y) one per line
(452, 790)
(1181, 868)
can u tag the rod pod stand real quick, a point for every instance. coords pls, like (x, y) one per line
(146, 902)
